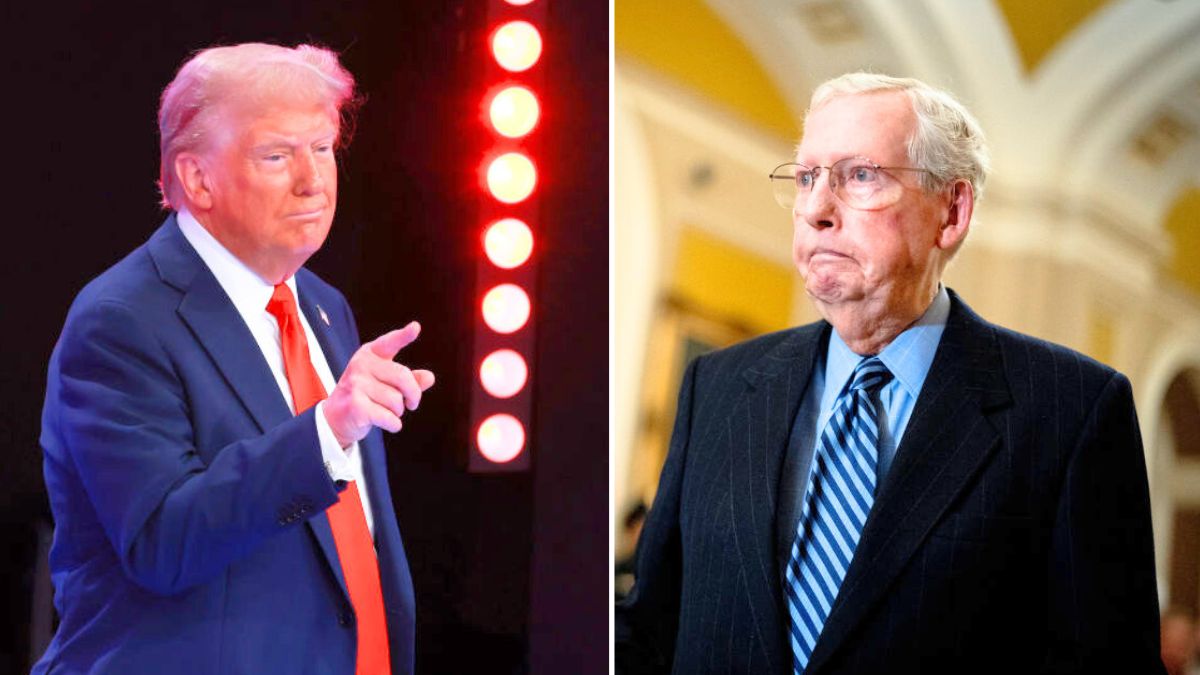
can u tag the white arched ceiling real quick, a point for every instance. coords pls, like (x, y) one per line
(1062, 135)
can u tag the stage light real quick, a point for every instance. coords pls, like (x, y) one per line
(508, 169)
(508, 243)
(514, 111)
(517, 46)
(511, 177)
(503, 373)
(501, 438)
(506, 308)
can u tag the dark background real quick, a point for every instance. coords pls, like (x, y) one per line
(510, 570)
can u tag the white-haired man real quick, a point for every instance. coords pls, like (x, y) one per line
(902, 487)
(210, 430)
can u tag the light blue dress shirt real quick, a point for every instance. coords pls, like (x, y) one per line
(908, 357)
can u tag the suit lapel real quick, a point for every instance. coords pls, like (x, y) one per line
(215, 322)
(389, 550)
(218, 327)
(336, 356)
(759, 427)
(947, 441)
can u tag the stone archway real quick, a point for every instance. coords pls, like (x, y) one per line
(1179, 447)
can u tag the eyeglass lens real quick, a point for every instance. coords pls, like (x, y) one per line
(856, 181)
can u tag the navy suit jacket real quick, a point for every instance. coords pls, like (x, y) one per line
(1011, 534)
(189, 503)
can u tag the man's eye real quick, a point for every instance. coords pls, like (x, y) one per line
(862, 174)
(275, 157)
(324, 148)
(804, 179)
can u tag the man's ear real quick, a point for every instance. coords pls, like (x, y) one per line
(953, 231)
(196, 182)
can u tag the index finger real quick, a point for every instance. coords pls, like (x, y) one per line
(386, 346)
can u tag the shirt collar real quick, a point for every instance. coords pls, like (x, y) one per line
(908, 357)
(249, 293)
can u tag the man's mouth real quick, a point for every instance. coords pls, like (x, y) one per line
(303, 215)
(826, 253)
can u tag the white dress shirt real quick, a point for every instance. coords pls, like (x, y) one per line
(250, 294)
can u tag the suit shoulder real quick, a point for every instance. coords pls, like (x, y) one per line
(1037, 360)
(743, 355)
(133, 281)
(755, 346)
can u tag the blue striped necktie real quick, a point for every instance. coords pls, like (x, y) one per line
(840, 493)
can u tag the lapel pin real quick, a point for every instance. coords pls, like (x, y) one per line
(324, 316)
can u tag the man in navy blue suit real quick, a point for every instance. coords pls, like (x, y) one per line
(209, 517)
(902, 487)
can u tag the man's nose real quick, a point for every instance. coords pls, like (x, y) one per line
(818, 206)
(308, 178)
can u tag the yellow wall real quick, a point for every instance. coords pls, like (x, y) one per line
(686, 41)
(731, 283)
(1183, 224)
(1102, 336)
(1037, 27)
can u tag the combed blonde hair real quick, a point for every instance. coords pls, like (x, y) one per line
(250, 73)
(948, 141)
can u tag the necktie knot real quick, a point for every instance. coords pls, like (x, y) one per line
(282, 303)
(307, 388)
(870, 375)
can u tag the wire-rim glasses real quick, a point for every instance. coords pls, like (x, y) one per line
(857, 182)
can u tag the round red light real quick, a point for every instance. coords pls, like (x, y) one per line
(514, 111)
(503, 373)
(511, 177)
(508, 243)
(501, 438)
(506, 308)
(517, 45)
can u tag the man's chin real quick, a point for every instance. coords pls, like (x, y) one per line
(827, 289)
(310, 239)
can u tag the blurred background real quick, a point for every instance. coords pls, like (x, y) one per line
(1088, 234)
(509, 567)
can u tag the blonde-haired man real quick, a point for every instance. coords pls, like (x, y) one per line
(211, 426)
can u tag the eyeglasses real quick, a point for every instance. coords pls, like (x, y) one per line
(856, 181)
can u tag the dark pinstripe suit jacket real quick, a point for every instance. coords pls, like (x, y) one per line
(1011, 535)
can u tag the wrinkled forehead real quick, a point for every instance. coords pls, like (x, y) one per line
(876, 125)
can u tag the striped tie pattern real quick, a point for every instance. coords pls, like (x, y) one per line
(841, 491)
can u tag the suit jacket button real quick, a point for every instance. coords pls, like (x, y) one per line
(345, 619)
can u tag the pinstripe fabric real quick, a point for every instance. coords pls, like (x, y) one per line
(1011, 534)
(842, 489)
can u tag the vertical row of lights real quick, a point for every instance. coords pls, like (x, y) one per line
(501, 401)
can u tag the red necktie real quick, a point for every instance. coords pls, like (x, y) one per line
(355, 550)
